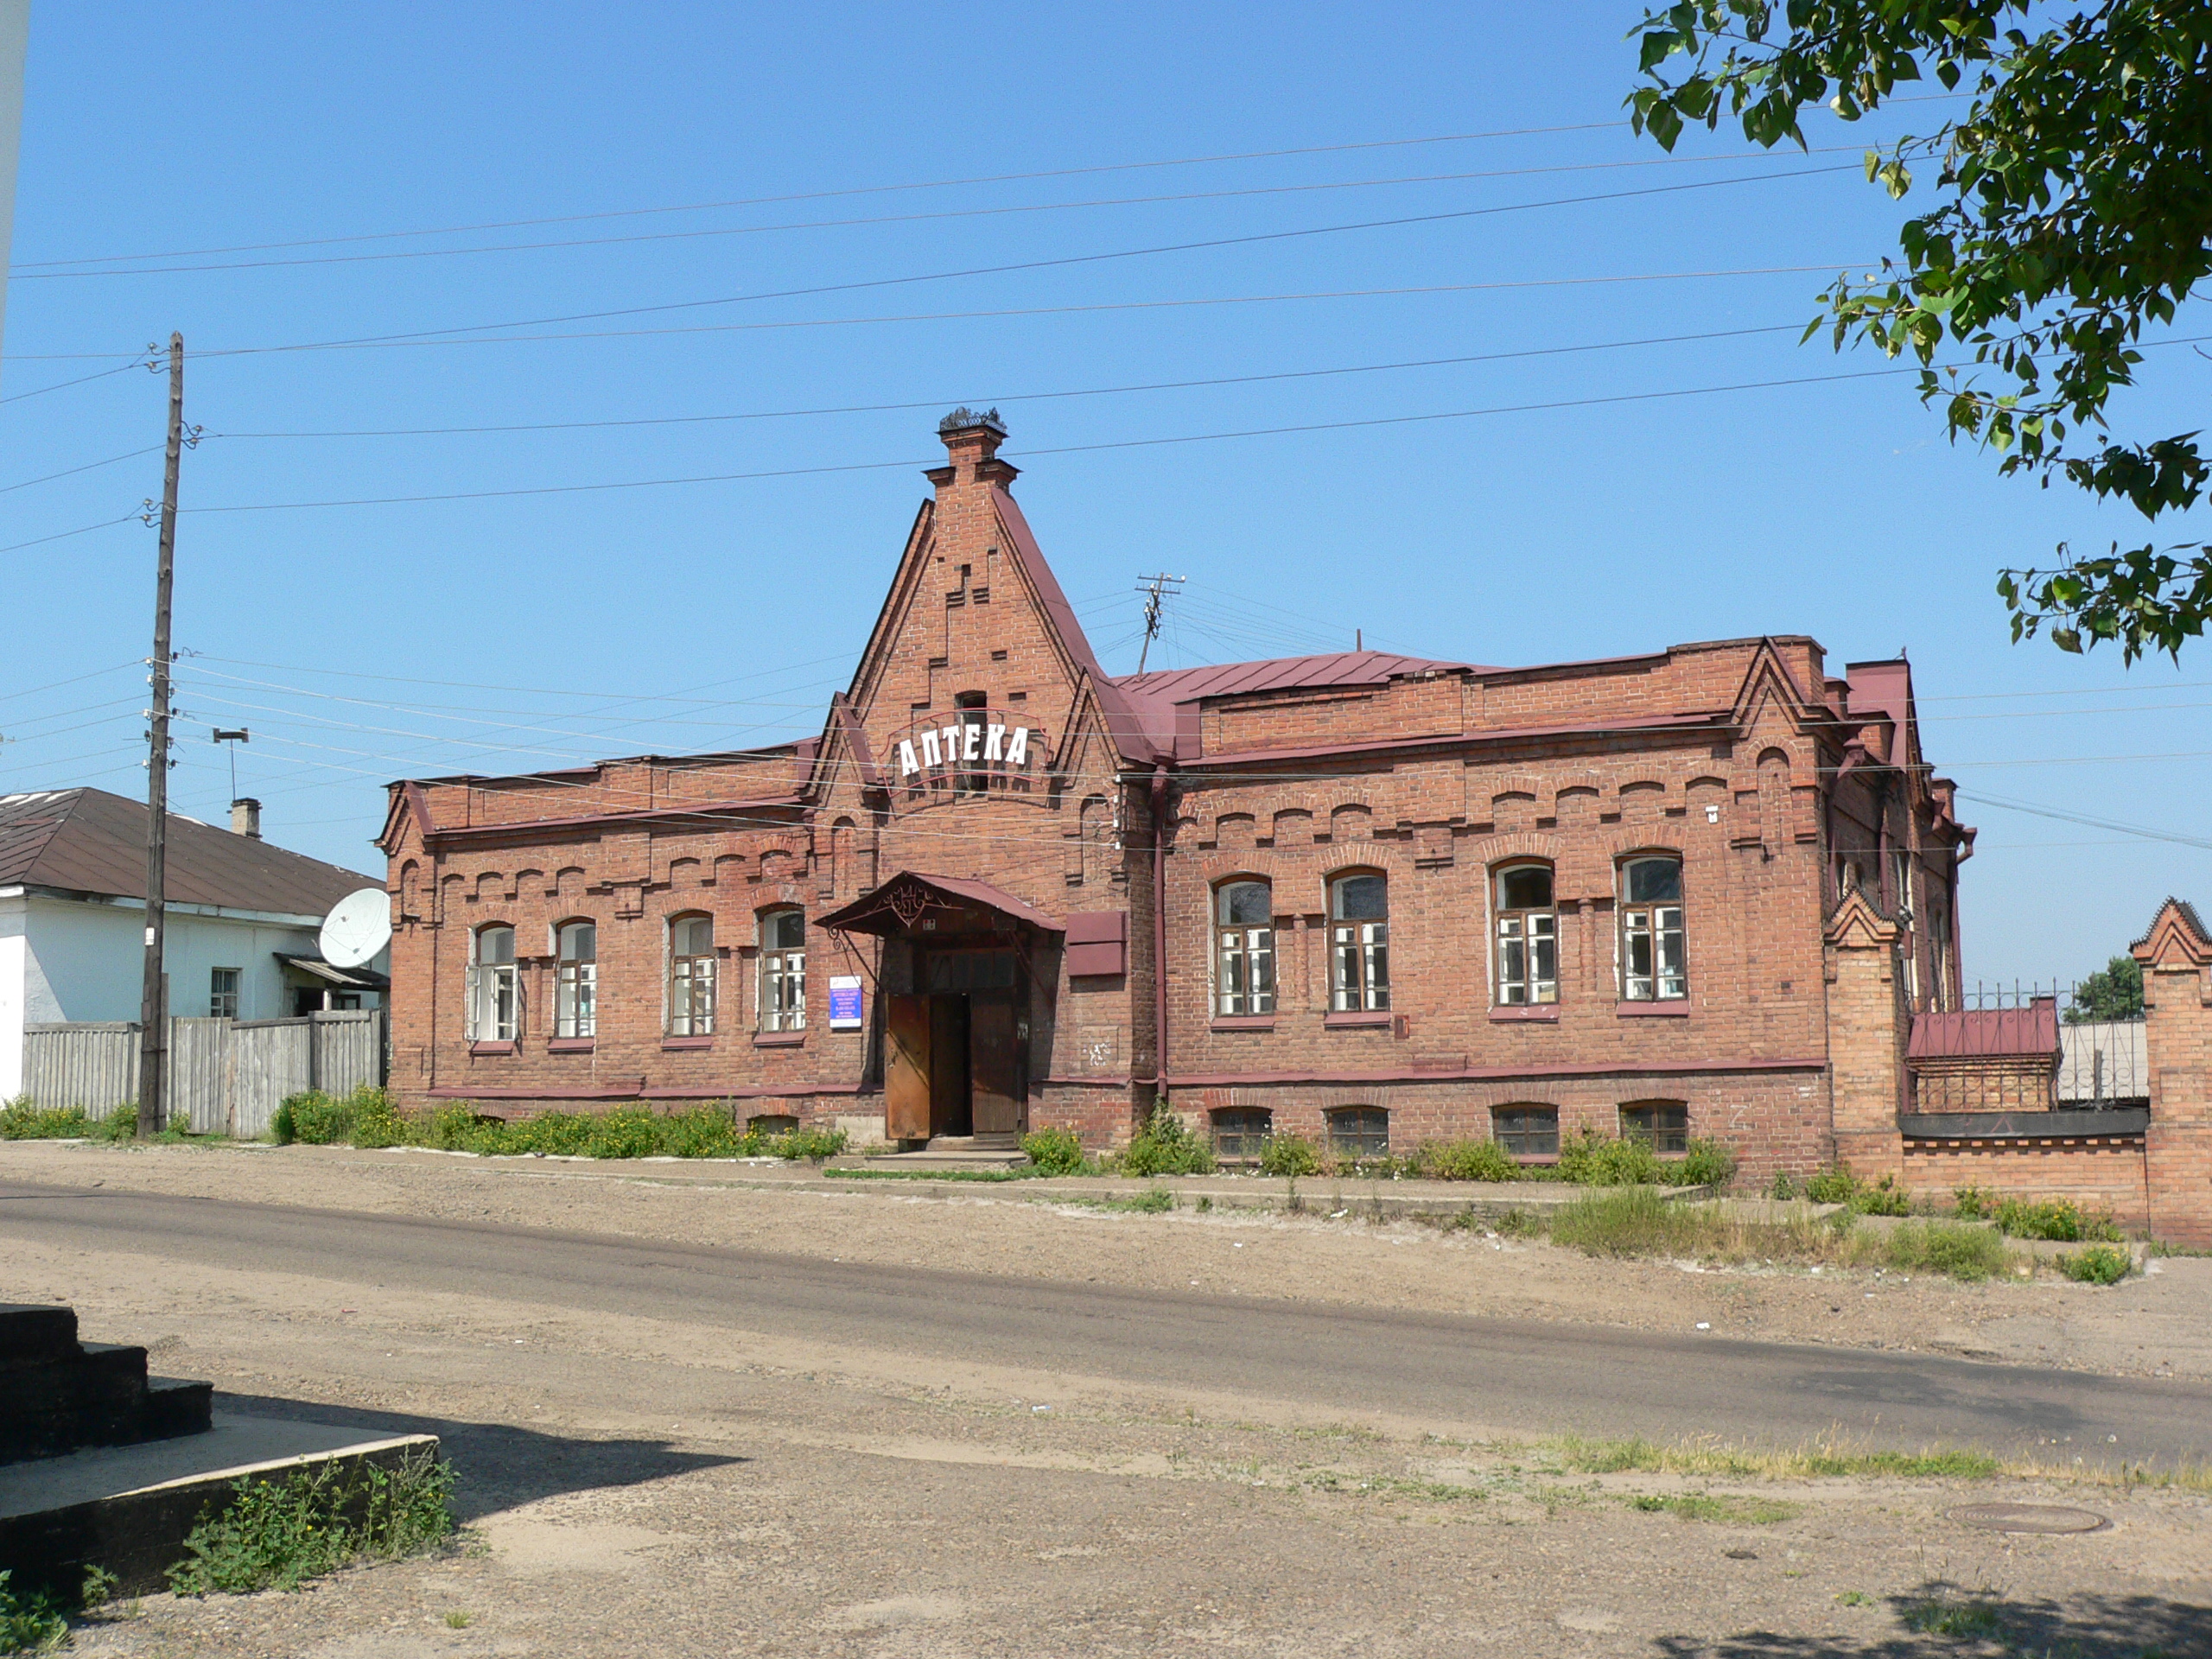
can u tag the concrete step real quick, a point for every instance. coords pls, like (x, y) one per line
(35, 1334)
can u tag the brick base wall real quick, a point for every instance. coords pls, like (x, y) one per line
(2099, 1174)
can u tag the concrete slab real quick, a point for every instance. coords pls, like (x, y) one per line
(127, 1509)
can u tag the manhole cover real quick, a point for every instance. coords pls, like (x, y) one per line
(2029, 1517)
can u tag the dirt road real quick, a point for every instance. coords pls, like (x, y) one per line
(649, 1470)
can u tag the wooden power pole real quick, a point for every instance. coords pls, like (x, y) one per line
(153, 1000)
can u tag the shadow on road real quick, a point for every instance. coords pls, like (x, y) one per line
(1940, 1618)
(499, 1466)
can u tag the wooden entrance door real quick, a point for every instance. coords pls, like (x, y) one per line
(906, 1068)
(996, 1063)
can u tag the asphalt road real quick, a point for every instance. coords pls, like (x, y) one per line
(1517, 1375)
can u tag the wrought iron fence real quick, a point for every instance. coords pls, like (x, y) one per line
(2027, 1047)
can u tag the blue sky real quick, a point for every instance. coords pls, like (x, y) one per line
(365, 642)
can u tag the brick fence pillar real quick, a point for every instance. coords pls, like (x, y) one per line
(1867, 1027)
(2177, 958)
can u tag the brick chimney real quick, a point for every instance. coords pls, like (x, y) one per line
(971, 441)
(245, 817)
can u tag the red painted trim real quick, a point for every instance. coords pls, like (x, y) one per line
(658, 815)
(798, 1093)
(1095, 1083)
(1445, 739)
(1542, 1013)
(570, 1044)
(778, 1039)
(1363, 1020)
(619, 1092)
(1674, 1008)
(491, 1048)
(674, 1043)
(1495, 1073)
(1241, 1022)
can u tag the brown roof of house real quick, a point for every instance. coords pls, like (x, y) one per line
(1280, 674)
(89, 840)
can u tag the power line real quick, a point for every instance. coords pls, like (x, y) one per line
(1065, 260)
(995, 313)
(2136, 831)
(857, 190)
(64, 535)
(915, 218)
(1023, 397)
(89, 466)
(63, 386)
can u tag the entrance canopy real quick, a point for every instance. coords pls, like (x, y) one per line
(908, 899)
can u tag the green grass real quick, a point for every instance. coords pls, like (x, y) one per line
(1964, 1620)
(1650, 1457)
(21, 1121)
(934, 1174)
(1057, 1152)
(1152, 1201)
(2098, 1264)
(2061, 1219)
(367, 1118)
(1720, 1509)
(1166, 1146)
(1954, 1250)
(277, 1534)
(31, 1623)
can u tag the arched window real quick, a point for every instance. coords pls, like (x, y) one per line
(783, 970)
(1239, 1133)
(575, 989)
(1360, 1131)
(1663, 1125)
(494, 1010)
(691, 976)
(1526, 1131)
(1244, 947)
(1651, 930)
(1359, 944)
(1528, 935)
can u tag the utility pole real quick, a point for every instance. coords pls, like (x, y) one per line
(153, 1002)
(1154, 588)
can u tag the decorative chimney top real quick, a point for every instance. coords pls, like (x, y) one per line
(964, 419)
(245, 817)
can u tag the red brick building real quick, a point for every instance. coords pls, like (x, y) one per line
(1362, 897)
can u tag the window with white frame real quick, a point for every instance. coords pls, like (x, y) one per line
(691, 976)
(1359, 944)
(1244, 949)
(1528, 935)
(1650, 907)
(494, 1009)
(783, 970)
(223, 993)
(575, 986)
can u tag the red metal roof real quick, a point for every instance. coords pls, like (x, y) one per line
(1282, 674)
(866, 907)
(2031, 1032)
(89, 840)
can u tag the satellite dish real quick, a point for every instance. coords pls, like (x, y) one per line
(358, 926)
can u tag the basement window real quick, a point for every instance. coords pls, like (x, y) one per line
(1662, 1125)
(1240, 1134)
(1360, 1131)
(1526, 1131)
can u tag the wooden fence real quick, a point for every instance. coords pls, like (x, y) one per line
(226, 1076)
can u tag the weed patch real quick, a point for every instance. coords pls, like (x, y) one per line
(21, 1121)
(2100, 1264)
(277, 1535)
(1290, 1155)
(1955, 1250)
(1165, 1146)
(1152, 1201)
(1719, 1508)
(1057, 1152)
(1967, 1620)
(1649, 1457)
(984, 1175)
(2055, 1218)
(367, 1118)
(30, 1623)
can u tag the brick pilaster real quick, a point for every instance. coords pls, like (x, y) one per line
(2177, 958)
(1867, 1027)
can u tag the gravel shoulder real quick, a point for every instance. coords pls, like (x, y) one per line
(635, 1485)
(2155, 1325)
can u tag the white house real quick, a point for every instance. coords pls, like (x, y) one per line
(240, 937)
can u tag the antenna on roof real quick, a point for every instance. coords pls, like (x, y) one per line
(1154, 588)
(1358, 639)
(241, 735)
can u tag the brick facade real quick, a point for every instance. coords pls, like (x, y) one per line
(1817, 855)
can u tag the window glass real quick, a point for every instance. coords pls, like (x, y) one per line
(223, 993)
(1525, 887)
(575, 986)
(1360, 1131)
(691, 976)
(1664, 1125)
(1244, 950)
(1240, 1134)
(783, 970)
(1359, 945)
(1362, 898)
(1246, 902)
(1651, 949)
(1526, 1131)
(494, 1006)
(1527, 972)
